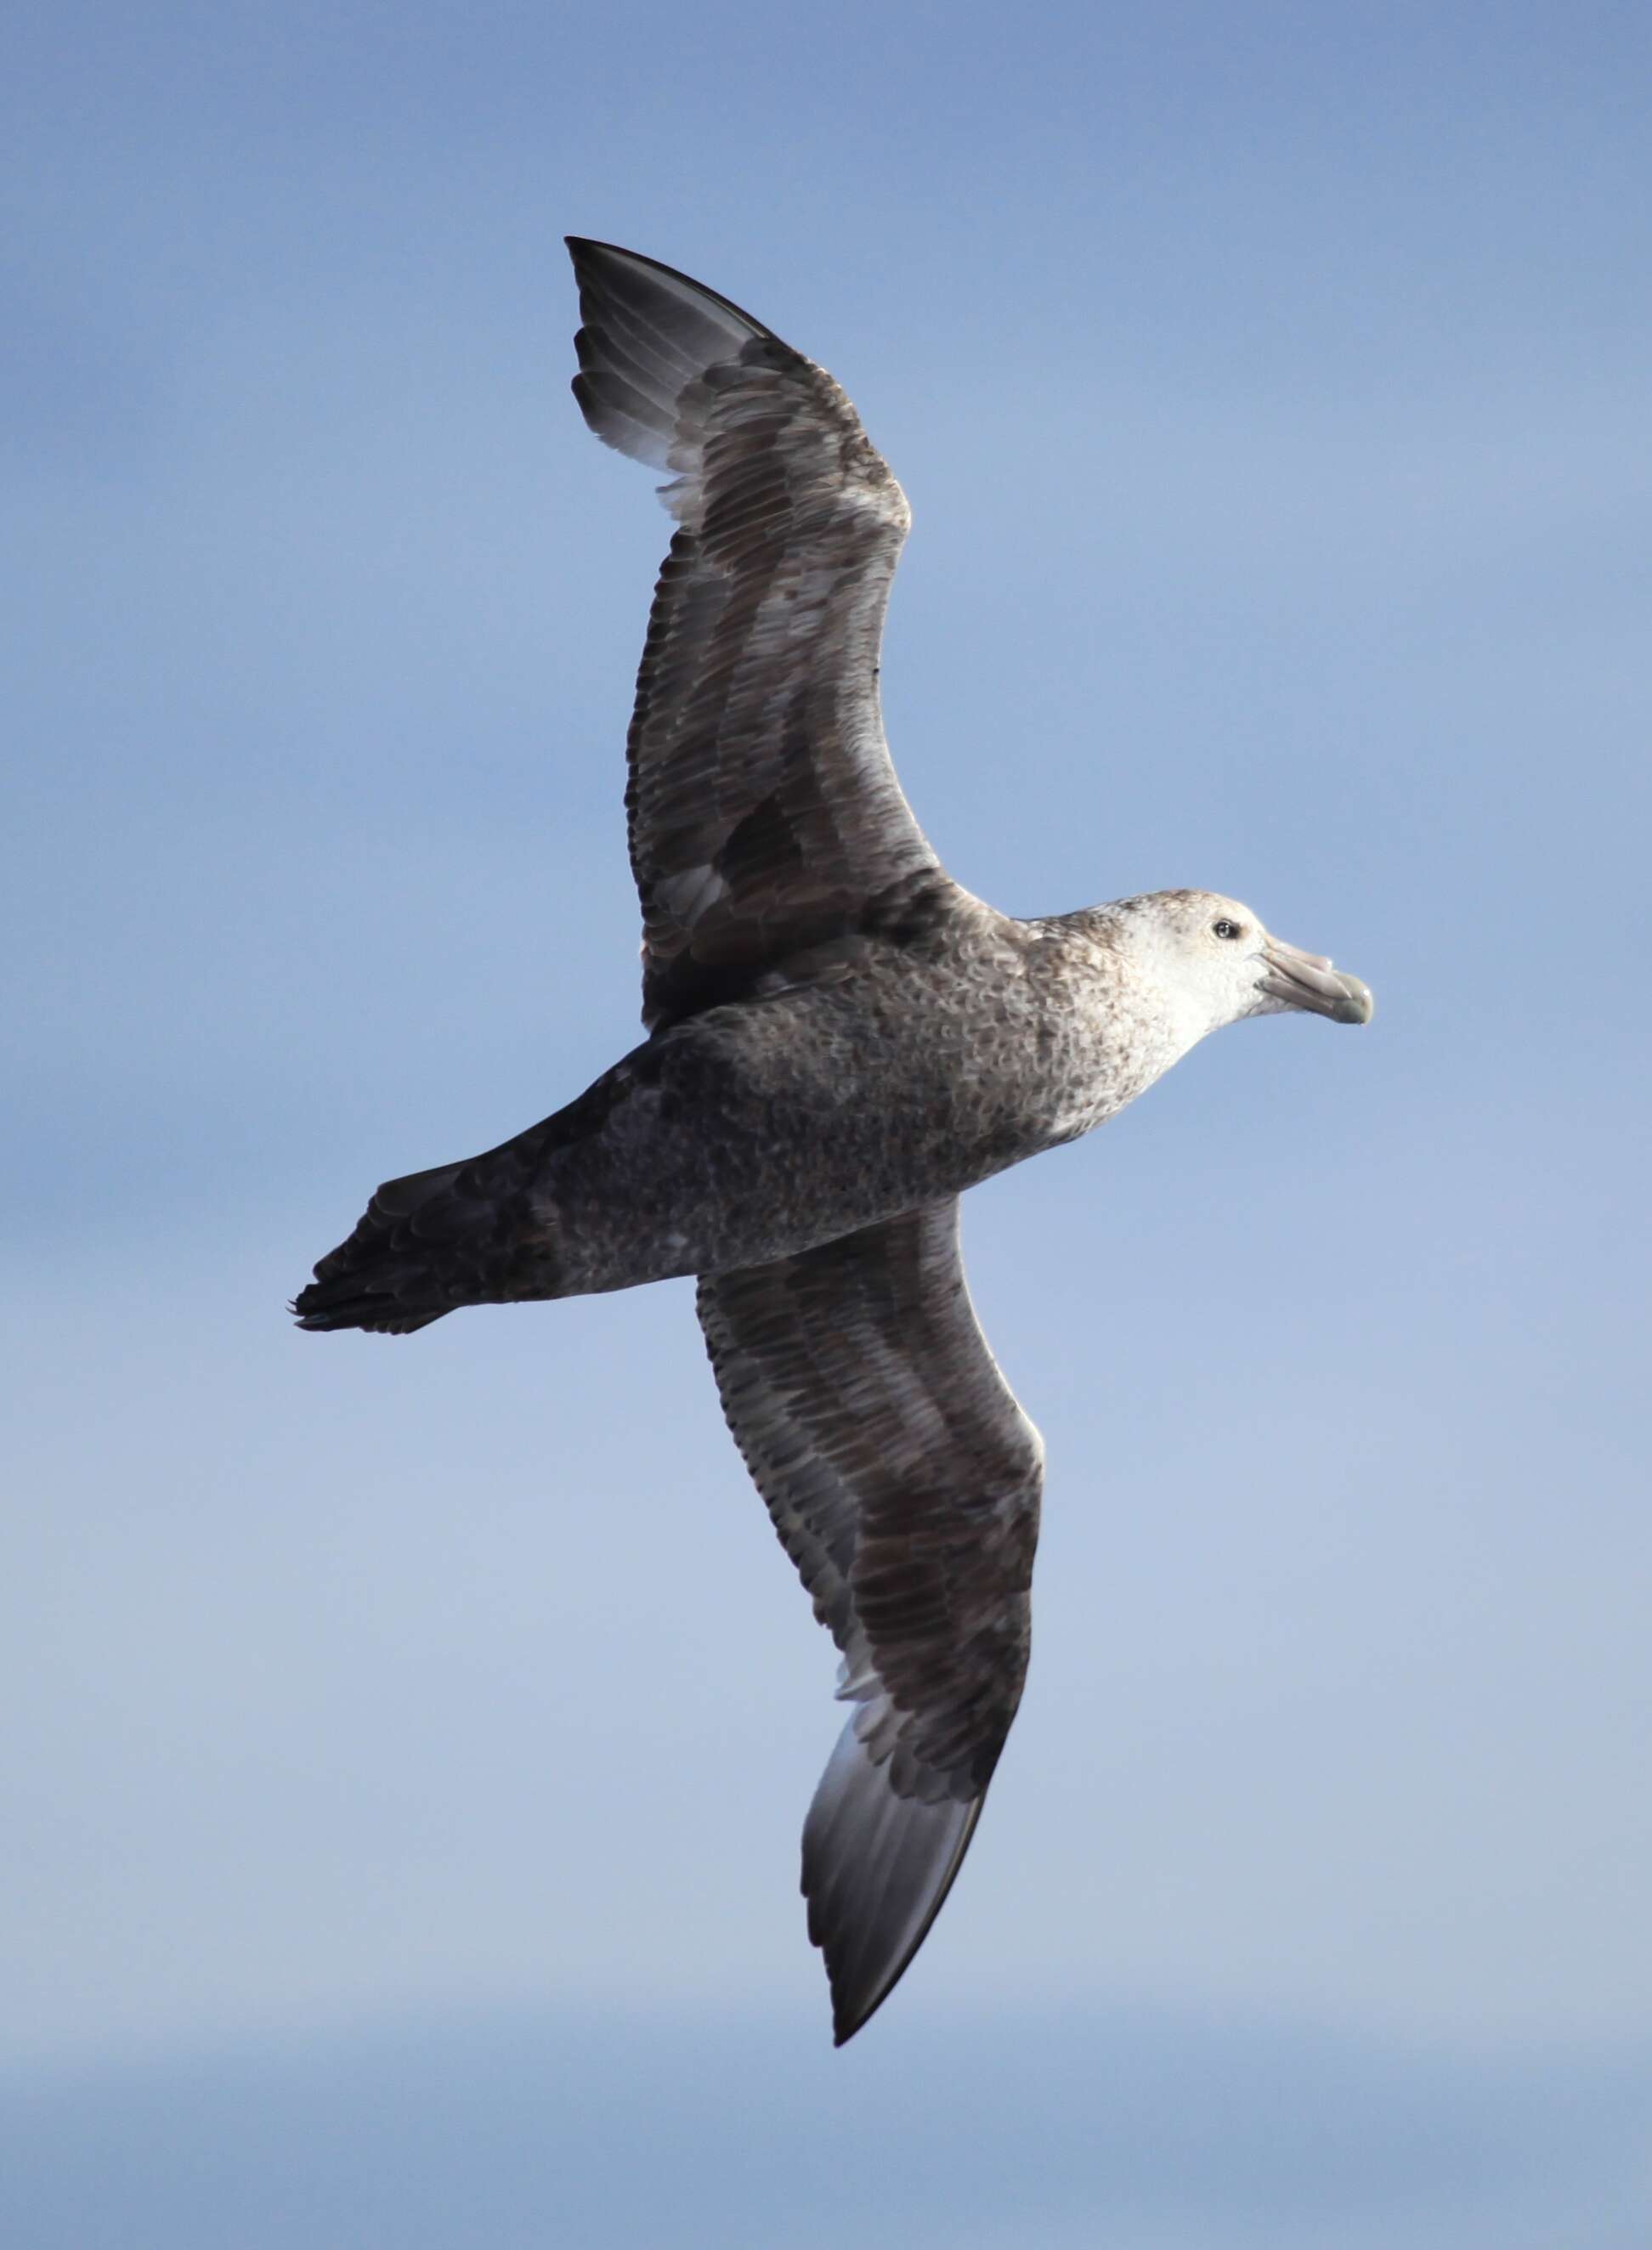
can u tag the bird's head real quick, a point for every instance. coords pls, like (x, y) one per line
(1214, 961)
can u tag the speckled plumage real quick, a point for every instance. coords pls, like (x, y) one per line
(842, 1041)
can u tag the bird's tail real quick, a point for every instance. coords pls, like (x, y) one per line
(391, 1275)
(470, 1233)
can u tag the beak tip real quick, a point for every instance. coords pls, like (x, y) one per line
(1309, 980)
(1360, 1005)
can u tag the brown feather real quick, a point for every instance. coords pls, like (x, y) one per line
(903, 1479)
(764, 812)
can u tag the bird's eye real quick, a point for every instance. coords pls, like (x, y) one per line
(1226, 928)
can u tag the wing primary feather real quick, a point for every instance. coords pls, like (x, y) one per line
(877, 1871)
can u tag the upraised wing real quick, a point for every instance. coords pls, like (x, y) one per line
(764, 815)
(904, 1481)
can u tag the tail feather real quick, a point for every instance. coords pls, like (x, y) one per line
(428, 1243)
(379, 1278)
(484, 1231)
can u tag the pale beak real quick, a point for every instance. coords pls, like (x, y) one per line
(1306, 980)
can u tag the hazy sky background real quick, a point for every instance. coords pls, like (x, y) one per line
(407, 1742)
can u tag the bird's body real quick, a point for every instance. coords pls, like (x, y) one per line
(896, 1071)
(843, 1041)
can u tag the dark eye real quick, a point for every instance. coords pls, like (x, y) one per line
(1226, 928)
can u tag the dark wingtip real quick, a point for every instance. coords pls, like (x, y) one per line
(590, 256)
(877, 1867)
(851, 2013)
(853, 2007)
(854, 2002)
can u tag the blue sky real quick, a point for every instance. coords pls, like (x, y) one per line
(1269, 388)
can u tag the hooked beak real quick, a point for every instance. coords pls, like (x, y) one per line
(1306, 980)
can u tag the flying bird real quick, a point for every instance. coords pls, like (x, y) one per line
(841, 1040)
